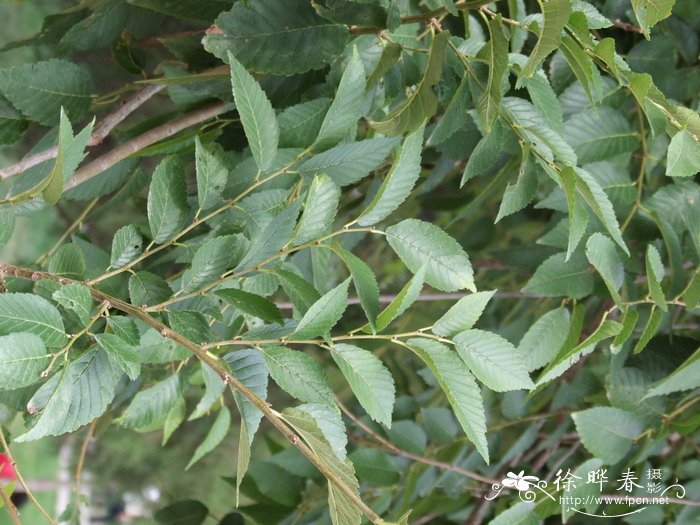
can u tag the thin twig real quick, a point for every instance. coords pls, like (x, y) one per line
(11, 508)
(427, 297)
(152, 136)
(390, 447)
(75, 224)
(215, 364)
(625, 26)
(98, 135)
(29, 493)
(83, 454)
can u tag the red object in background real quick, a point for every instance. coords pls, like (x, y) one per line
(6, 470)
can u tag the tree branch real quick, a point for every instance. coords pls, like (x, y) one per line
(215, 364)
(29, 493)
(11, 508)
(152, 136)
(98, 135)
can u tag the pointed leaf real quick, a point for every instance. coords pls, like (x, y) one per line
(462, 315)
(419, 243)
(489, 104)
(364, 281)
(602, 254)
(216, 434)
(167, 200)
(324, 313)
(493, 360)
(342, 116)
(24, 312)
(75, 297)
(23, 357)
(251, 303)
(298, 374)
(320, 209)
(459, 387)
(122, 353)
(126, 246)
(212, 174)
(398, 183)
(555, 14)
(257, 116)
(369, 380)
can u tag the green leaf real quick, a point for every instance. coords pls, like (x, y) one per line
(248, 366)
(167, 200)
(76, 298)
(629, 323)
(150, 407)
(375, 467)
(257, 116)
(584, 69)
(462, 315)
(294, 40)
(214, 437)
(578, 214)
(520, 194)
(331, 424)
(404, 299)
(534, 128)
(352, 12)
(391, 52)
(191, 325)
(299, 124)
(691, 295)
(369, 380)
(599, 134)
(607, 432)
(252, 304)
(68, 261)
(269, 241)
(602, 254)
(319, 210)
(683, 158)
(74, 396)
(397, 185)
(147, 289)
(652, 324)
(364, 281)
(298, 374)
(685, 377)
(209, 263)
(596, 198)
(348, 163)
(544, 339)
(301, 292)
(490, 102)
(187, 9)
(324, 313)
(343, 511)
(522, 513)
(557, 276)
(568, 356)
(186, 512)
(214, 387)
(650, 12)
(346, 108)
(126, 246)
(70, 153)
(212, 173)
(454, 117)
(486, 156)
(23, 358)
(41, 89)
(422, 103)
(655, 274)
(493, 360)
(24, 312)
(459, 387)
(419, 243)
(555, 15)
(121, 353)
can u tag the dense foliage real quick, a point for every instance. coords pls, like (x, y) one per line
(403, 248)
